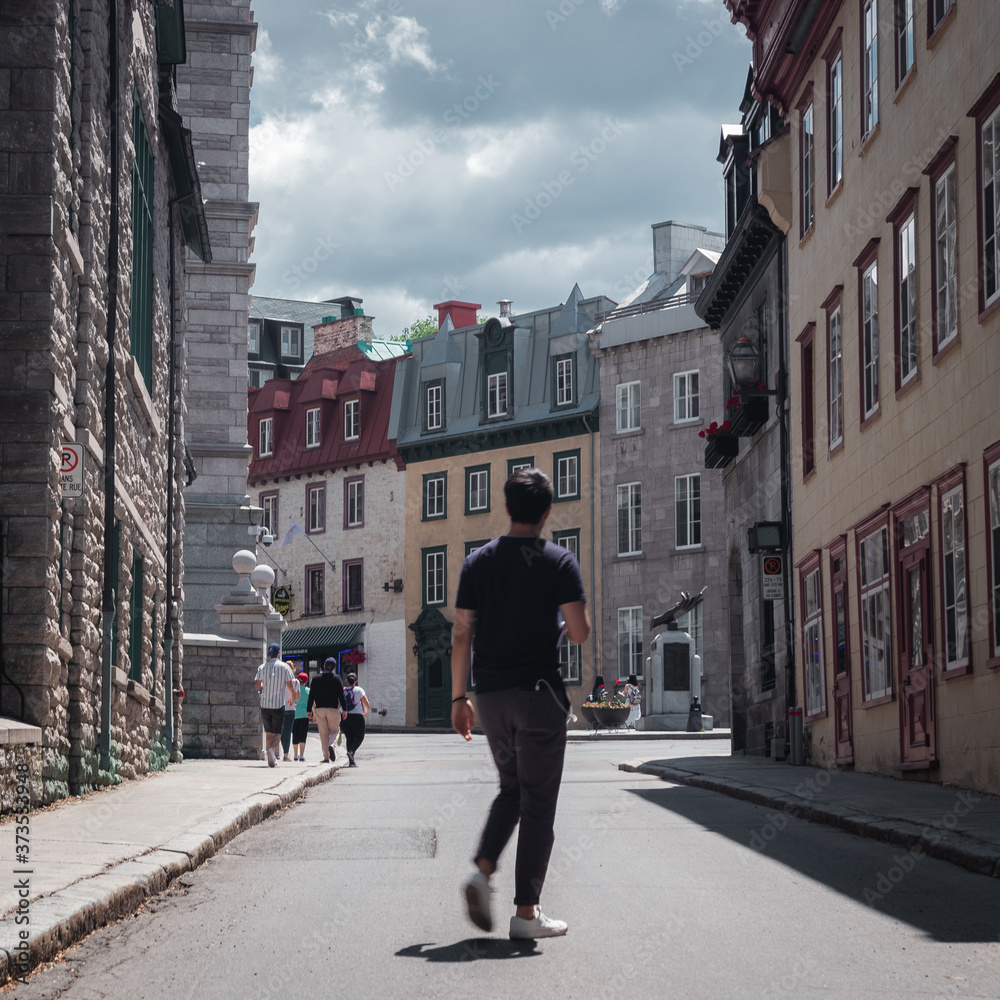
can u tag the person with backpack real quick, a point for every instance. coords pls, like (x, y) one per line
(353, 725)
(300, 727)
(326, 706)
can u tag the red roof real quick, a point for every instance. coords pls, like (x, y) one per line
(327, 383)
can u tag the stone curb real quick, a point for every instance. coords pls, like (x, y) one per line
(63, 918)
(582, 735)
(958, 849)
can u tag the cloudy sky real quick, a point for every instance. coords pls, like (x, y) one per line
(412, 151)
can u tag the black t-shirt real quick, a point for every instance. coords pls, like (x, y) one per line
(327, 691)
(515, 586)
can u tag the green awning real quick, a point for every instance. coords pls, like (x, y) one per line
(298, 640)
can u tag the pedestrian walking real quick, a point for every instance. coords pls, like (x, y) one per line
(326, 705)
(632, 695)
(598, 694)
(274, 683)
(300, 727)
(358, 708)
(286, 727)
(511, 594)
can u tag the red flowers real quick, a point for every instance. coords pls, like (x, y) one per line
(715, 428)
(354, 657)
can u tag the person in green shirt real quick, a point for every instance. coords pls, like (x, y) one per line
(300, 727)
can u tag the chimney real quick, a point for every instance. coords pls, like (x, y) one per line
(505, 308)
(334, 333)
(462, 313)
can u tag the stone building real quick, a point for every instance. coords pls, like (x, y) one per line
(92, 308)
(894, 113)
(745, 300)
(663, 530)
(213, 95)
(332, 487)
(473, 403)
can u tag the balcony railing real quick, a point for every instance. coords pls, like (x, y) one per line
(644, 307)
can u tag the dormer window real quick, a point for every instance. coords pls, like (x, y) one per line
(312, 428)
(698, 282)
(496, 363)
(253, 337)
(291, 342)
(433, 406)
(496, 395)
(352, 420)
(563, 374)
(265, 437)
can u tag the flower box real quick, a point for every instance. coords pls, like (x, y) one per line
(720, 449)
(747, 416)
(608, 716)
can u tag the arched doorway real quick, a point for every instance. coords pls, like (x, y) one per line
(433, 652)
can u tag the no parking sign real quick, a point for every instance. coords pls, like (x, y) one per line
(71, 470)
(772, 577)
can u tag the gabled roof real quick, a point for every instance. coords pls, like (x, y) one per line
(568, 320)
(442, 349)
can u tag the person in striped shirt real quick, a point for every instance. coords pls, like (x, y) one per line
(275, 684)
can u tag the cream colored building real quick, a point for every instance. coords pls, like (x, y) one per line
(894, 315)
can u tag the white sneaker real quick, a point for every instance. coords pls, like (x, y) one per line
(477, 900)
(538, 926)
(272, 760)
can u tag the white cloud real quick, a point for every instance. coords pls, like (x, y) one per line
(408, 42)
(266, 63)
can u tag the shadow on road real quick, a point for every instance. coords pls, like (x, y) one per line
(471, 950)
(944, 901)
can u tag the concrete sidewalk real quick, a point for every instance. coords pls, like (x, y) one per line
(86, 861)
(948, 823)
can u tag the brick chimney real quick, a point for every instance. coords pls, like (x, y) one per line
(462, 313)
(334, 333)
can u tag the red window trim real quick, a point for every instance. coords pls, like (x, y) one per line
(862, 262)
(935, 32)
(805, 566)
(905, 78)
(938, 166)
(990, 456)
(830, 303)
(980, 111)
(806, 340)
(834, 49)
(310, 487)
(839, 580)
(804, 102)
(905, 207)
(863, 136)
(868, 526)
(914, 502)
(944, 483)
(344, 572)
(306, 571)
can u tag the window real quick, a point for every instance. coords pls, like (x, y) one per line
(988, 193)
(904, 39)
(629, 519)
(687, 511)
(352, 428)
(627, 409)
(568, 539)
(906, 294)
(835, 118)
(269, 521)
(316, 502)
(991, 467)
(354, 585)
(140, 317)
(253, 338)
(954, 574)
(876, 631)
(834, 369)
(630, 641)
(945, 259)
(513, 464)
(869, 62)
(291, 342)
(807, 168)
(808, 401)
(434, 407)
(477, 489)
(496, 389)
(569, 661)
(567, 475)
(697, 283)
(686, 399)
(937, 11)
(563, 374)
(258, 376)
(315, 597)
(265, 441)
(136, 621)
(435, 582)
(867, 265)
(812, 638)
(435, 495)
(312, 428)
(471, 547)
(354, 502)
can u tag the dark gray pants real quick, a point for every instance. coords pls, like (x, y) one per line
(526, 731)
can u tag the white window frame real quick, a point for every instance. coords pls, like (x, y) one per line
(876, 614)
(989, 193)
(807, 168)
(906, 250)
(869, 336)
(253, 337)
(355, 503)
(496, 390)
(564, 381)
(906, 53)
(479, 490)
(435, 497)
(835, 119)
(291, 336)
(269, 519)
(954, 571)
(317, 508)
(630, 658)
(265, 437)
(687, 396)
(258, 376)
(434, 578)
(352, 420)
(812, 645)
(629, 519)
(627, 411)
(835, 369)
(567, 475)
(569, 660)
(946, 251)
(312, 427)
(869, 57)
(434, 411)
(687, 511)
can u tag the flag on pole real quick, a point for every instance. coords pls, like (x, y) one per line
(295, 529)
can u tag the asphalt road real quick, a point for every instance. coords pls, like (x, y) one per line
(354, 892)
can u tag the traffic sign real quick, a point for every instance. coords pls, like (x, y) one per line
(71, 470)
(282, 601)
(772, 577)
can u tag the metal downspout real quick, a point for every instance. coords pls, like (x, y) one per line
(108, 594)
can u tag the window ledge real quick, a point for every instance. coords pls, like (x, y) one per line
(142, 394)
(886, 699)
(634, 432)
(910, 383)
(836, 449)
(830, 199)
(871, 418)
(626, 556)
(119, 678)
(824, 714)
(904, 84)
(989, 310)
(684, 549)
(945, 349)
(807, 235)
(942, 27)
(993, 662)
(868, 138)
(963, 671)
(137, 691)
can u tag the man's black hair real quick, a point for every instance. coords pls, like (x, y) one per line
(528, 493)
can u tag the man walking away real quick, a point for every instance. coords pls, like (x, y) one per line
(276, 684)
(511, 595)
(325, 706)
